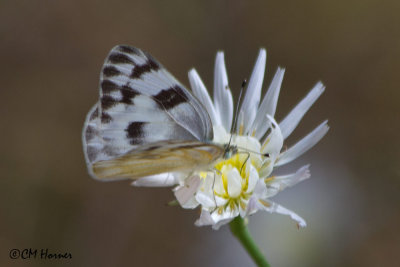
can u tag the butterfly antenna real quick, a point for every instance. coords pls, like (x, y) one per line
(234, 125)
(237, 105)
(251, 151)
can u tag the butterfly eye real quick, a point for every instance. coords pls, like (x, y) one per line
(229, 151)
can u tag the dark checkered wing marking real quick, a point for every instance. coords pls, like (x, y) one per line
(140, 103)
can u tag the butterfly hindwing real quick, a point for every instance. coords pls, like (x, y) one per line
(140, 103)
(159, 157)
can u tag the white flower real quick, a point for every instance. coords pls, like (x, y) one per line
(244, 184)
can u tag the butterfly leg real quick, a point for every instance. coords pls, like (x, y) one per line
(244, 163)
(215, 200)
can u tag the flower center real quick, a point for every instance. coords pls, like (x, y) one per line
(236, 177)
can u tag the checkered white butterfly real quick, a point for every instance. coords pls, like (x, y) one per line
(145, 122)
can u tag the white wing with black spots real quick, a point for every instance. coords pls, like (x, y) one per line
(140, 103)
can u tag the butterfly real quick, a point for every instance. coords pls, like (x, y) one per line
(145, 122)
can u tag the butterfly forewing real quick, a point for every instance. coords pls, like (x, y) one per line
(141, 103)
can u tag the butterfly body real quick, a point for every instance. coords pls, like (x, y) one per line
(145, 122)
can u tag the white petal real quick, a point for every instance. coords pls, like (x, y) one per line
(272, 190)
(303, 145)
(274, 141)
(158, 180)
(223, 100)
(253, 179)
(291, 179)
(200, 91)
(221, 223)
(225, 217)
(234, 183)
(205, 195)
(289, 123)
(185, 193)
(272, 145)
(272, 207)
(247, 143)
(281, 210)
(218, 184)
(279, 183)
(266, 169)
(252, 97)
(260, 189)
(268, 105)
(206, 200)
(191, 204)
(251, 206)
(220, 135)
(205, 219)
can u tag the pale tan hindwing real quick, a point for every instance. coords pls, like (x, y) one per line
(159, 157)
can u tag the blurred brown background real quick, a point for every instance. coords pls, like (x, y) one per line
(51, 53)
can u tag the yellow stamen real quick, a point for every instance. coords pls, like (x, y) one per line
(241, 128)
(203, 175)
(265, 143)
(220, 210)
(225, 182)
(242, 204)
(269, 179)
(265, 203)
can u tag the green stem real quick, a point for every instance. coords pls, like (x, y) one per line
(239, 229)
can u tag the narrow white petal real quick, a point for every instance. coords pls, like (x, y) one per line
(289, 123)
(252, 97)
(191, 204)
(275, 208)
(205, 195)
(303, 145)
(205, 219)
(260, 190)
(267, 168)
(251, 206)
(279, 183)
(223, 100)
(218, 185)
(185, 193)
(158, 180)
(272, 145)
(274, 141)
(272, 190)
(200, 91)
(221, 223)
(220, 135)
(205, 200)
(268, 105)
(253, 179)
(214, 219)
(291, 179)
(223, 218)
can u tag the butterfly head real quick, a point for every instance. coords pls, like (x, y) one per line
(229, 151)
